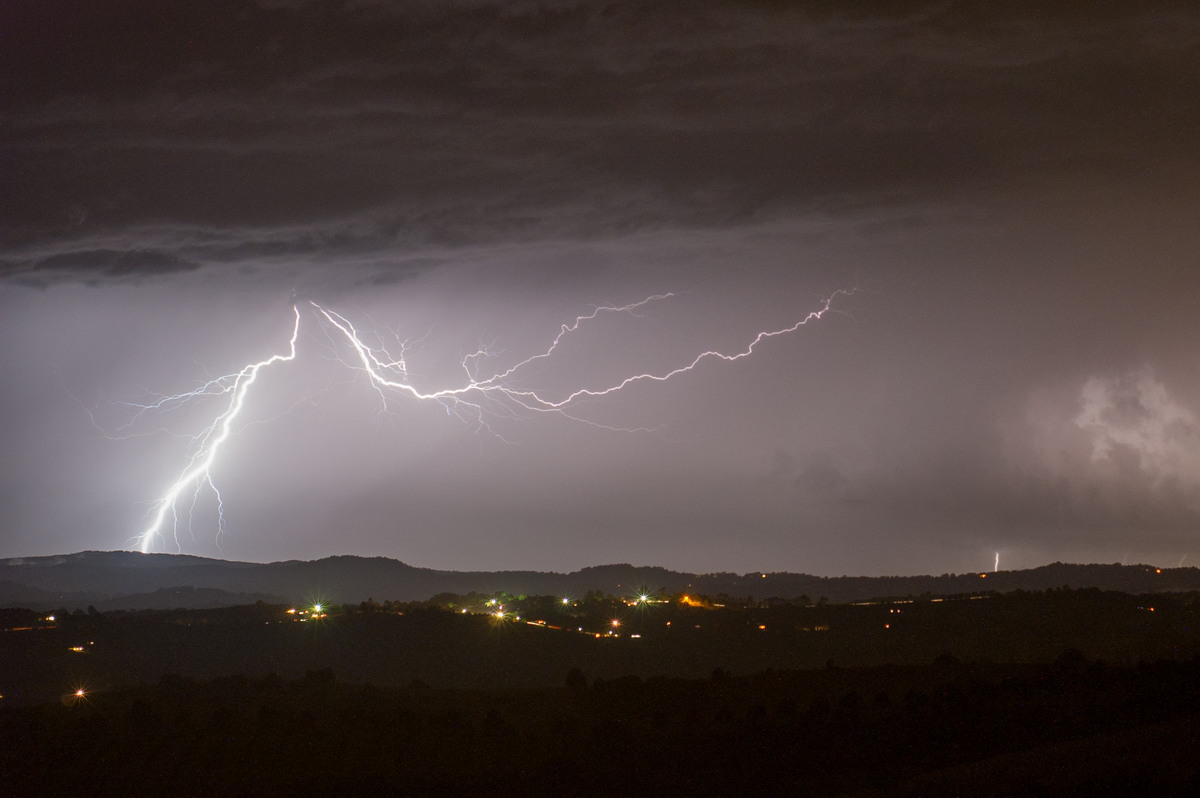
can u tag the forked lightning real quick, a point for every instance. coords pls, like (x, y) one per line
(472, 399)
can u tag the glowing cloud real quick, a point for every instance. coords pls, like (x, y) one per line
(1135, 412)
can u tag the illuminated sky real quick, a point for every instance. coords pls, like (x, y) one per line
(1013, 192)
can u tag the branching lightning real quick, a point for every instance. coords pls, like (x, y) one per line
(379, 365)
(473, 400)
(468, 400)
(210, 440)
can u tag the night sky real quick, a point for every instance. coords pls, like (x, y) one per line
(1011, 193)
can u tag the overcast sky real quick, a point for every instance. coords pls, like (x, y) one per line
(1011, 194)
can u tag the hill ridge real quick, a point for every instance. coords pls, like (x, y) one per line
(106, 576)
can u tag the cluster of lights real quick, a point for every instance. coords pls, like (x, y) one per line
(493, 608)
(497, 611)
(315, 612)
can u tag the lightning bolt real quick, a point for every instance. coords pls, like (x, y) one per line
(389, 373)
(710, 354)
(473, 400)
(210, 440)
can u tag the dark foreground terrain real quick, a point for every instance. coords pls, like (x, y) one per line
(1066, 692)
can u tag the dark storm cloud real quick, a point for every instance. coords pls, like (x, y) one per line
(427, 125)
(100, 264)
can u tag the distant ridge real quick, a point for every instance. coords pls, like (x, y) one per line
(123, 579)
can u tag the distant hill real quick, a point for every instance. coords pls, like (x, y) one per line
(18, 595)
(123, 579)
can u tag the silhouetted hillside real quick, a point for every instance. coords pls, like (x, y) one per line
(114, 579)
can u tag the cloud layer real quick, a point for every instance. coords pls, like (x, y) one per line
(1013, 191)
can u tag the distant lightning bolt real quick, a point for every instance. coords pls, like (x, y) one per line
(210, 440)
(710, 354)
(472, 400)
